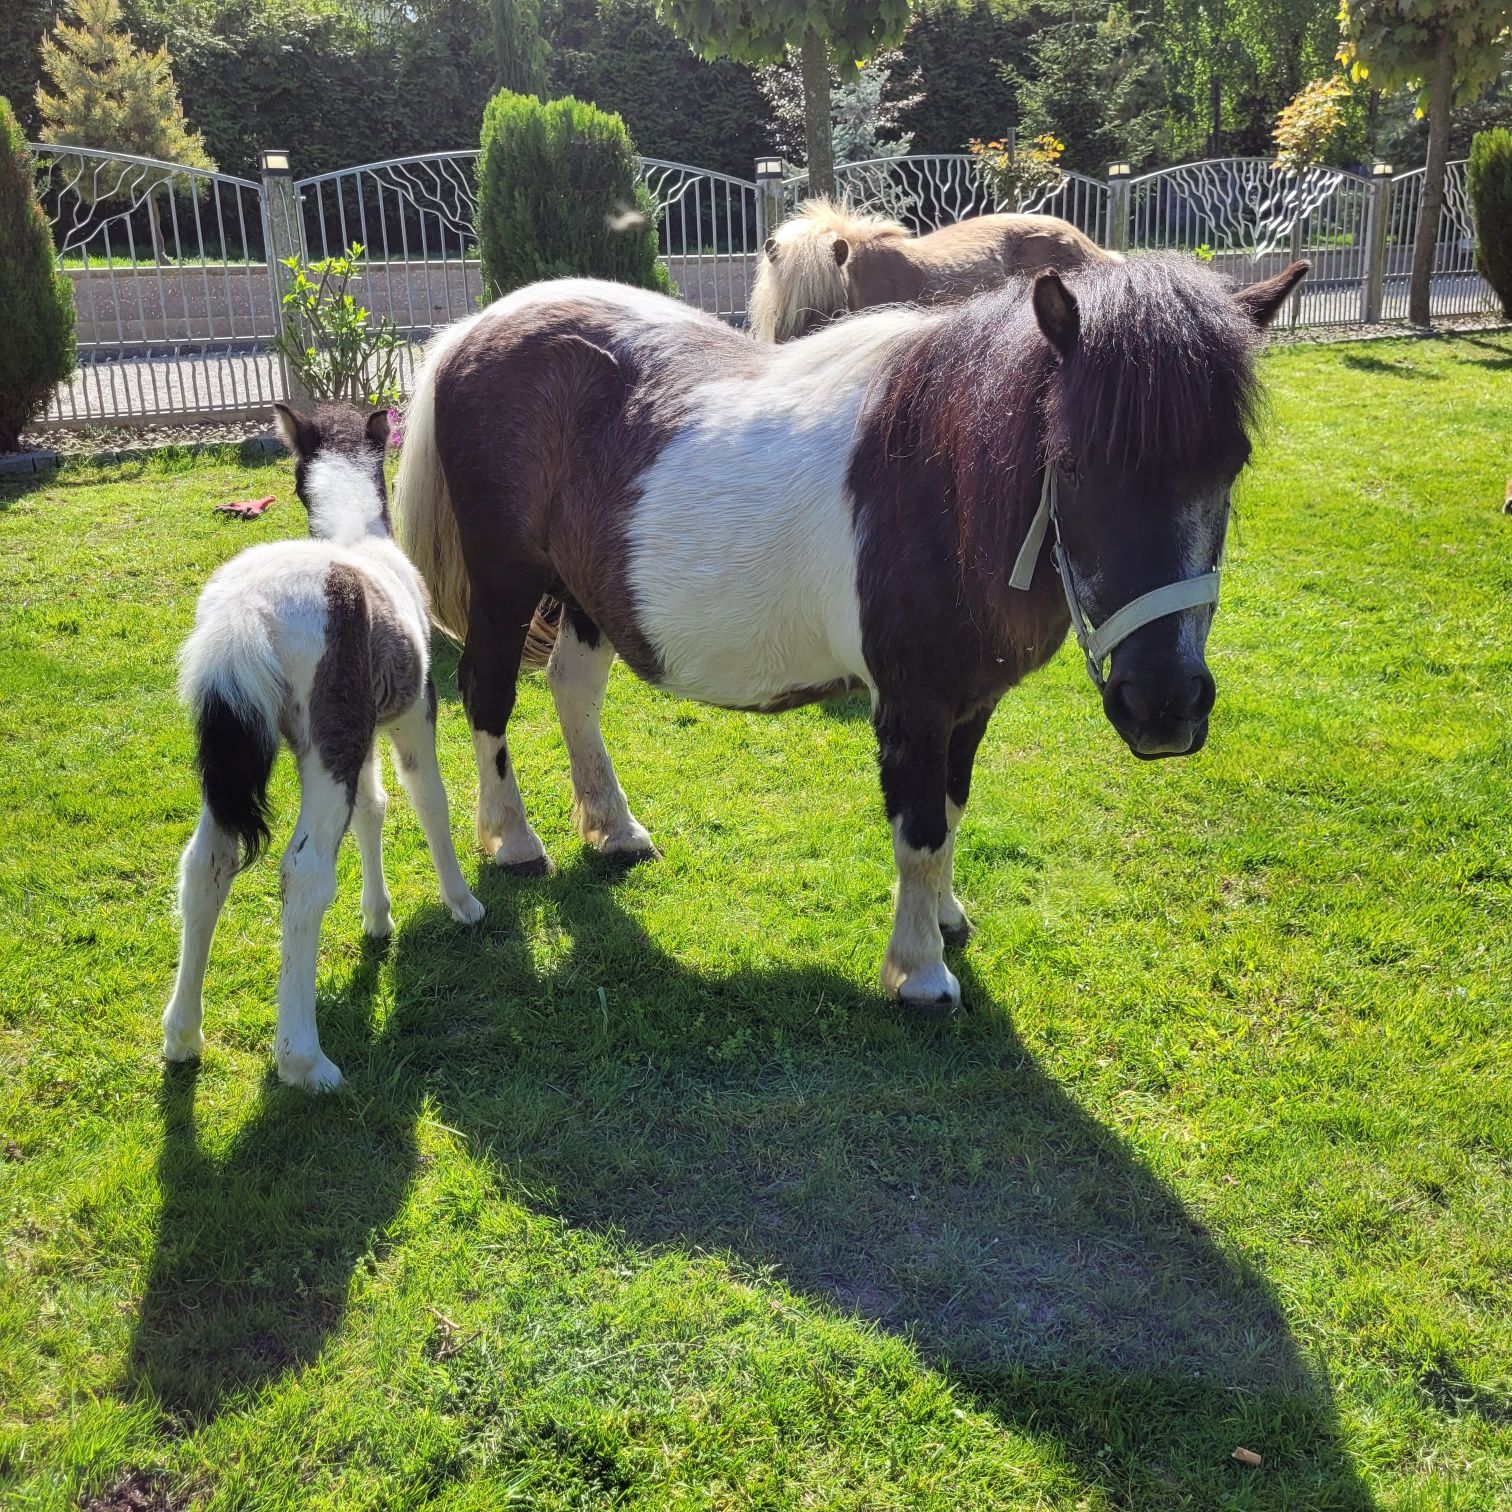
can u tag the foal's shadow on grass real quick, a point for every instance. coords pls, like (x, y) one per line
(256, 1246)
(930, 1179)
(1500, 360)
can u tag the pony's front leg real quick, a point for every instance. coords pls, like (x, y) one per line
(209, 864)
(307, 883)
(367, 823)
(414, 738)
(960, 757)
(913, 742)
(578, 673)
(486, 676)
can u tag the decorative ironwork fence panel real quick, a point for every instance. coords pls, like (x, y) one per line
(173, 295)
(928, 190)
(1458, 289)
(709, 229)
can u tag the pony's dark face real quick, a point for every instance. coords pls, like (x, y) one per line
(334, 448)
(1146, 454)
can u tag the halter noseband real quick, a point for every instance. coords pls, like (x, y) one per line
(1099, 642)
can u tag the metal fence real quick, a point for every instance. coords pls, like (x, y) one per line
(178, 288)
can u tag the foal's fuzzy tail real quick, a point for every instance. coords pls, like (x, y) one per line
(231, 679)
(427, 527)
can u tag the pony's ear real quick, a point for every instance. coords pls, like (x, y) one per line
(1262, 301)
(378, 428)
(842, 251)
(770, 248)
(298, 432)
(1057, 312)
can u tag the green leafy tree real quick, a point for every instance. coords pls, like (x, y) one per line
(866, 111)
(1445, 50)
(519, 50)
(36, 300)
(109, 93)
(1488, 178)
(759, 31)
(559, 195)
(23, 24)
(1310, 123)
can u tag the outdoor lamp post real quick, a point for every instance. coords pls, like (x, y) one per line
(1118, 207)
(768, 195)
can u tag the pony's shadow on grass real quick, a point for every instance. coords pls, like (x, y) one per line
(256, 1246)
(1368, 362)
(1501, 359)
(930, 1179)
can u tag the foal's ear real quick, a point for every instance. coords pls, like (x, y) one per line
(770, 248)
(298, 432)
(1056, 310)
(842, 251)
(378, 428)
(1262, 301)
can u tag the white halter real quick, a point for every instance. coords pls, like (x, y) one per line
(1098, 643)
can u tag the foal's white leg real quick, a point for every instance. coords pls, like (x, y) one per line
(504, 832)
(914, 970)
(954, 924)
(367, 824)
(414, 737)
(307, 881)
(578, 675)
(205, 873)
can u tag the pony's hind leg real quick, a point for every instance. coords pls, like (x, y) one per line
(367, 824)
(960, 756)
(578, 673)
(913, 741)
(307, 882)
(205, 874)
(487, 674)
(414, 738)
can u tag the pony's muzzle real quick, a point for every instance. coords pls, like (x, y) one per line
(1162, 713)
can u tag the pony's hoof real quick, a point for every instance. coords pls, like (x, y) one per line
(631, 855)
(465, 910)
(182, 1044)
(310, 1073)
(536, 866)
(931, 989)
(956, 932)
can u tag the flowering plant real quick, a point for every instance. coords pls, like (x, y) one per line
(1016, 176)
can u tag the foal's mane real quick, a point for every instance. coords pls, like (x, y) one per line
(1160, 384)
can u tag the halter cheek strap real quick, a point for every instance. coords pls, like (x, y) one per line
(1098, 642)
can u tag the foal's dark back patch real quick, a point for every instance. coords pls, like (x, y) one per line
(396, 667)
(343, 710)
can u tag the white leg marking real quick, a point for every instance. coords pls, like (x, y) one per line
(914, 970)
(414, 738)
(952, 916)
(205, 873)
(367, 824)
(578, 675)
(307, 880)
(503, 830)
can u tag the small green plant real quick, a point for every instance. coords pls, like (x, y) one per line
(1203, 253)
(337, 348)
(1016, 175)
(559, 195)
(36, 301)
(1488, 179)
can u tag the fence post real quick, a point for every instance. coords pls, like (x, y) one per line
(768, 197)
(1375, 242)
(283, 236)
(1119, 201)
(1294, 251)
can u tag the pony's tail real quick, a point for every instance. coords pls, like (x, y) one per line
(541, 638)
(426, 525)
(232, 682)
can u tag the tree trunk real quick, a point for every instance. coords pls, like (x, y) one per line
(817, 130)
(1440, 103)
(1215, 108)
(159, 252)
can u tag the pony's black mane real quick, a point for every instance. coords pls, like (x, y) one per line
(1161, 382)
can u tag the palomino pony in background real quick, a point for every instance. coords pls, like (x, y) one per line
(326, 642)
(828, 259)
(763, 526)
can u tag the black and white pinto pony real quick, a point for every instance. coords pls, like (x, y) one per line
(325, 642)
(914, 502)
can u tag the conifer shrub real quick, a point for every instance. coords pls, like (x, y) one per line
(1488, 178)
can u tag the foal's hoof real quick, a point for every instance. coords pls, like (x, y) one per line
(536, 866)
(930, 990)
(466, 909)
(182, 1044)
(310, 1073)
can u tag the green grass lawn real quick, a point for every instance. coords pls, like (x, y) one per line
(639, 1196)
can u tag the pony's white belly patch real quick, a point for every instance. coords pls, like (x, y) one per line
(743, 553)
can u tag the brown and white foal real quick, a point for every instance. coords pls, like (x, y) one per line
(325, 642)
(914, 502)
